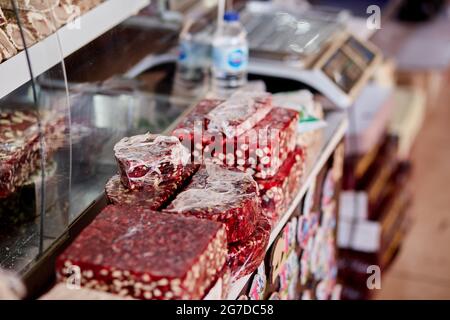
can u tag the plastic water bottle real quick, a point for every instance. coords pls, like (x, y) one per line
(230, 54)
(193, 63)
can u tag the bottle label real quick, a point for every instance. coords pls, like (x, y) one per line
(232, 60)
(183, 50)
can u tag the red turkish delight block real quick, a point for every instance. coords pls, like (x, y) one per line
(277, 192)
(149, 196)
(191, 131)
(241, 112)
(20, 149)
(220, 287)
(148, 158)
(139, 253)
(198, 114)
(224, 195)
(245, 256)
(260, 150)
(277, 138)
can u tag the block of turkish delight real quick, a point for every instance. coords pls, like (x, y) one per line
(277, 138)
(149, 196)
(245, 256)
(198, 114)
(150, 158)
(139, 253)
(262, 149)
(20, 148)
(191, 130)
(241, 112)
(277, 192)
(221, 194)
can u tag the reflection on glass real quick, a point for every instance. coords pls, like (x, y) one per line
(61, 113)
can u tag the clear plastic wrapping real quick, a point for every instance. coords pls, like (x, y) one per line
(221, 194)
(139, 253)
(241, 112)
(281, 128)
(148, 196)
(191, 131)
(150, 159)
(245, 256)
(261, 150)
(277, 192)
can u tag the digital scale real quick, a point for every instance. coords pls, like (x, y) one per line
(311, 47)
(304, 44)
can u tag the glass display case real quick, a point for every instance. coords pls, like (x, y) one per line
(69, 90)
(76, 76)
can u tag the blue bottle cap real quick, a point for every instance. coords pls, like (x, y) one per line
(231, 16)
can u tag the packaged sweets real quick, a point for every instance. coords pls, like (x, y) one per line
(245, 256)
(241, 112)
(277, 192)
(20, 145)
(260, 150)
(139, 253)
(220, 194)
(148, 196)
(191, 130)
(148, 158)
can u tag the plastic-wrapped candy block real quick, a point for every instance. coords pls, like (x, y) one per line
(220, 194)
(150, 158)
(261, 150)
(241, 112)
(191, 131)
(245, 256)
(139, 253)
(278, 139)
(20, 148)
(198, 114)
(277, 192)
(149, 196)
